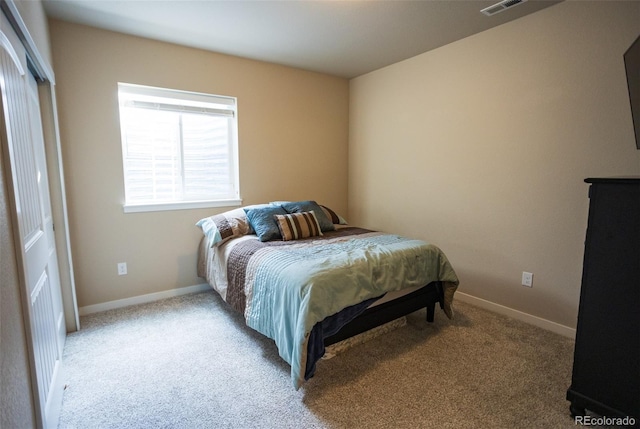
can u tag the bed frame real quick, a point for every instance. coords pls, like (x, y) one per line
(383, 313)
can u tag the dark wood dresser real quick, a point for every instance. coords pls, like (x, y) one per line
(606, 366)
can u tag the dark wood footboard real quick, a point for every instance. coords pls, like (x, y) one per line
(378, 315)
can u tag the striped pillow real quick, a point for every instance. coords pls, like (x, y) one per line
(224, 226)
(295, 226)
(334, 217)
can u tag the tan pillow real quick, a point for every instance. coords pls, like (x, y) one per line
(295, 226)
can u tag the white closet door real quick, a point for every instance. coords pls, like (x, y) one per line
(45, 199)
(34, 233)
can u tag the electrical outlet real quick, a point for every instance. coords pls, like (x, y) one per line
(122, 268)
(527, 279)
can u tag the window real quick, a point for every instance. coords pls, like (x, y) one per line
(179, 149)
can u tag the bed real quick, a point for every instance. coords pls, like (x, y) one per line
(304, 278)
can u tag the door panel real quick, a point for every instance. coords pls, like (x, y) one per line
(47, 216)
(34, 235)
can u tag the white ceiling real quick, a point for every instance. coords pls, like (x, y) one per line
(343, 38)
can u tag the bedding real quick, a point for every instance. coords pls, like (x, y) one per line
(235, 223)
(295, 226)
(285, 288)
(335, 218)
(262, 220)
(225, 226)
(310, 206)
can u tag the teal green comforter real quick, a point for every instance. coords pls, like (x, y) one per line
(285, 288)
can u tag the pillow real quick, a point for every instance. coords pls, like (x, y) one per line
(253, 206)
(263, 222)
(335, 218)
(295, 226)
(310, 206)
(224, 226)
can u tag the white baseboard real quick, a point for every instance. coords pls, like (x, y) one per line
(142, 299)
(488, 305)
(519, 315)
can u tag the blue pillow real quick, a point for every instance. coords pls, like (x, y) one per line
(310, 206)
(263, 222)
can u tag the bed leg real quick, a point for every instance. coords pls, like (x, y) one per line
(432, 300)
(431, 312)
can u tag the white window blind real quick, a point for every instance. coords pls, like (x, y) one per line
(178, 148)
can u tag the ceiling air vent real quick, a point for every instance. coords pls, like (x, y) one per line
(499, 7)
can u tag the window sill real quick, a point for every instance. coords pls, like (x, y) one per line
(184, 205)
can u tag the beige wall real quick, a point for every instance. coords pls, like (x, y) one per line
(35, 19)
(293, 136)
(482, 146)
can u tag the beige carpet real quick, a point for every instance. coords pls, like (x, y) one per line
(189, 362)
